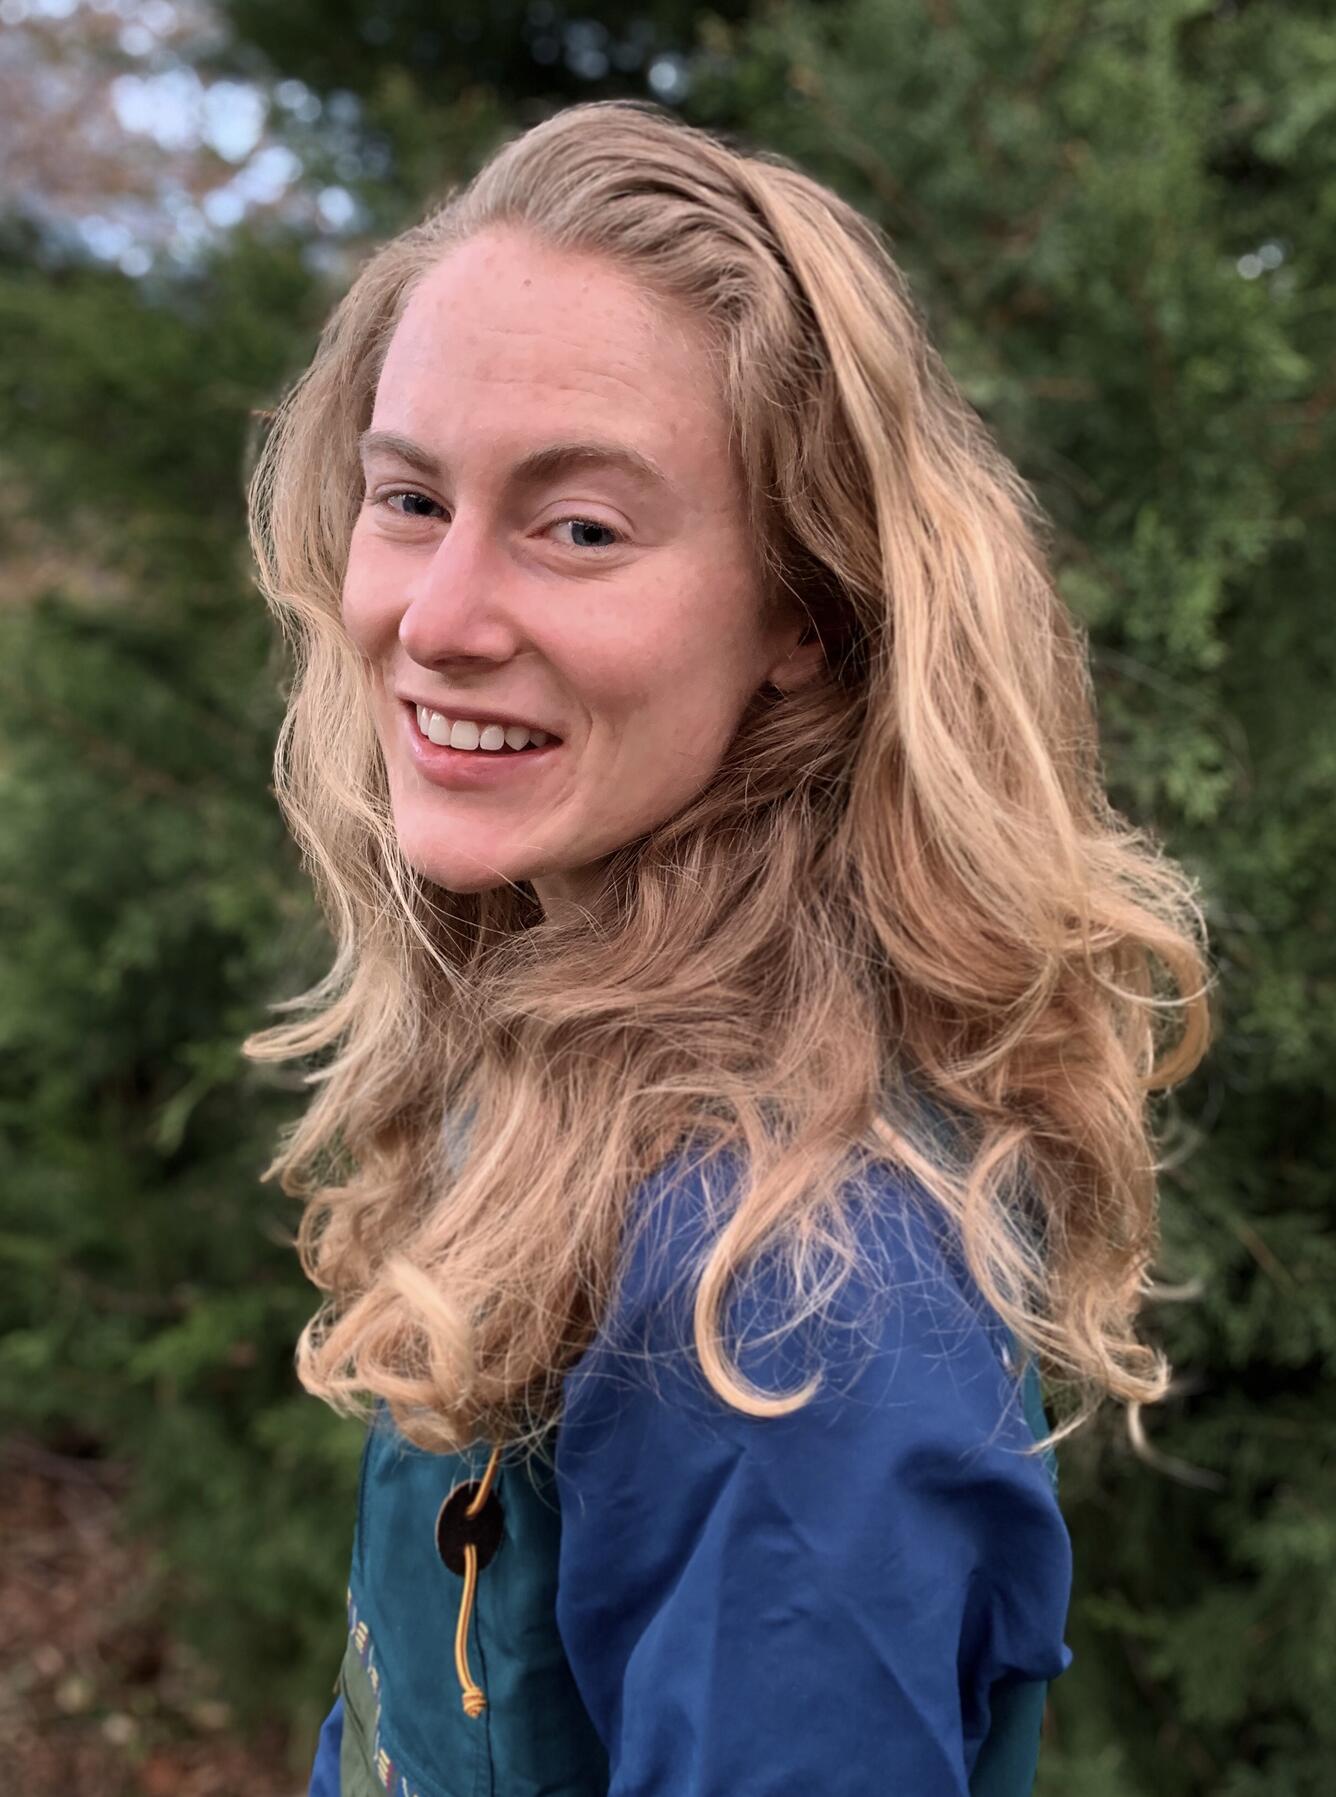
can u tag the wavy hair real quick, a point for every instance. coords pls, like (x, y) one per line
(905, 896)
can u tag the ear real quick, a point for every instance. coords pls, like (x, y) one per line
(799, 661)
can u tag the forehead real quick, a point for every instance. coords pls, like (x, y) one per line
(511, 335)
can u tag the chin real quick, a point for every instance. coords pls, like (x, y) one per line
(452, 877)
(448, 868)
(436, 854)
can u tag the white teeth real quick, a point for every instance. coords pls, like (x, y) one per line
(462, 733)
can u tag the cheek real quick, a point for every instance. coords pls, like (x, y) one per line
(691, 628)
(701, 670)
(678, 698)
(649, 693)
(368, 607)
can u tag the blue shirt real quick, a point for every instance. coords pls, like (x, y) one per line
(867, 1594)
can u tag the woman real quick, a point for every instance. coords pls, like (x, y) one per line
(745, 1001)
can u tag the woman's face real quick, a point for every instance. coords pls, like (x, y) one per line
(556, 538)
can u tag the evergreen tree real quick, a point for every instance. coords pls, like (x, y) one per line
(1117, 220)
(151, 906)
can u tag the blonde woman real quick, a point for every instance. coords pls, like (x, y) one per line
(733, 1070)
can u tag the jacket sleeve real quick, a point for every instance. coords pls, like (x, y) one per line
(823, 1601)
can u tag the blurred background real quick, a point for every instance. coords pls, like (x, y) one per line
(1119, 217)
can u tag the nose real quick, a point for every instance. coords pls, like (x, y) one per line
(460, 605)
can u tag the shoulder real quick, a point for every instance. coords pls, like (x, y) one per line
(911, 1359)
(908, 1296)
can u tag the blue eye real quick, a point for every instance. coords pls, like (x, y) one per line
(407, 493)
(589, 524)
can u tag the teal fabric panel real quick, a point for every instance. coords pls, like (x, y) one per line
(1009, 1757)
(543, 1742)
(534, 1739)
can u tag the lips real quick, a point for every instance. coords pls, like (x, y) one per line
(473, 770)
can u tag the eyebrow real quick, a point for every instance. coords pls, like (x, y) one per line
(539, 465)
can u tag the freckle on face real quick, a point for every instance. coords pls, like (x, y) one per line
(643, 658)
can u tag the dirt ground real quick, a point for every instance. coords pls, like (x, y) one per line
(96, 1699)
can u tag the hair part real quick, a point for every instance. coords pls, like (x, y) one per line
(904, 897)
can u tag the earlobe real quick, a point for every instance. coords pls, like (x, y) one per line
(798, 667)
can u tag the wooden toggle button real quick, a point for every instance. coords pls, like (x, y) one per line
(455, 1530)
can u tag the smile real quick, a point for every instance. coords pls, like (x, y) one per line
(465, 762)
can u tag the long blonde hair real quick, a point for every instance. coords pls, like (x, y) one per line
(904, 897)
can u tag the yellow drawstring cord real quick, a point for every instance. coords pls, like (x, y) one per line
(473, 1699)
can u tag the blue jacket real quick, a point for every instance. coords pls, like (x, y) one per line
(867, 1595)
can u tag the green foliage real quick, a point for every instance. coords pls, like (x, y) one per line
(151, 908)
(1118, 219)
(437, 85)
